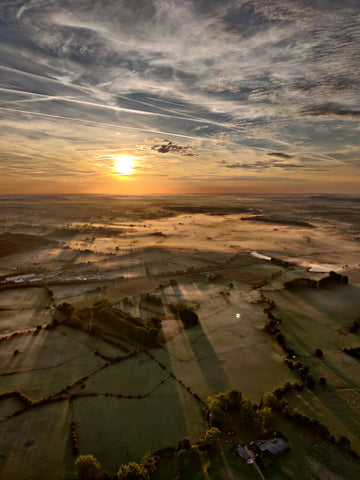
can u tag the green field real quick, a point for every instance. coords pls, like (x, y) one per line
(320, 319)
(23, 309)
(36, 444)
(49, 361)
(228, 349)
(127, 399)
(135, 427)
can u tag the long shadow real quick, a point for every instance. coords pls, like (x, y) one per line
(208, 361)
(206, 357)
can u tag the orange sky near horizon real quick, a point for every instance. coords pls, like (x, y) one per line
(206, 97)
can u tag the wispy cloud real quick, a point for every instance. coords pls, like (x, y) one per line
(263, 85)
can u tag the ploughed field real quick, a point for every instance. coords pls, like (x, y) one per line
(122, 315)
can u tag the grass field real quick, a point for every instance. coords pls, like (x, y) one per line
(203, 262)
(135, 427)
(138, 375)
(46, 363)
(36, 444)
(339, 409)
(8, 406)
(320, 319)
(24, 308)
(227, 349)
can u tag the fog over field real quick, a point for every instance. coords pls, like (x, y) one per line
(121, 316)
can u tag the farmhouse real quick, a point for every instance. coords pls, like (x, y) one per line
(242, 452)
(274, 447)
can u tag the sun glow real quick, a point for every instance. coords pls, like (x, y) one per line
(124, 164)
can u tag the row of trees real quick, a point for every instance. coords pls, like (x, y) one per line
(332, 279)
(89, 468)
(90, 319)
(272, 327)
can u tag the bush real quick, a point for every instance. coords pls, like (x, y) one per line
(133, 471)
(318, 353)
(87, 467)
(354, 327)
(184, 444)
(210, 439)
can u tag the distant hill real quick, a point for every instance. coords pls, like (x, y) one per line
(11, 243)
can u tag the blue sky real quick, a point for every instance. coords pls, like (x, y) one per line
(206, 95)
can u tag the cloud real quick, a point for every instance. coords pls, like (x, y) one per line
(238, 79)
(280, 155)
(171, 147)
(331, 109)
(262, 165)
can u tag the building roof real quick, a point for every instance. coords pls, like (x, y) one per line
(242, 452)
(276, 446)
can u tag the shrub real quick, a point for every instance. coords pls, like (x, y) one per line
(354, 327)
(184, 444)
(210, 439)
(133, 471)
(318, 353)
(87, 467)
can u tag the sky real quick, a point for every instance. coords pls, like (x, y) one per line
(258, 96)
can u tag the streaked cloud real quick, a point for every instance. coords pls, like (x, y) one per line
(262, 86)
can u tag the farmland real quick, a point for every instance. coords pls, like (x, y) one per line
(95, 311)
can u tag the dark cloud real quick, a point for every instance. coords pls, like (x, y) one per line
(331, 109)
(260, 165)
(171, 147)
(280, 155)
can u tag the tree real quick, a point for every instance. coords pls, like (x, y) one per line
(263, 418)
(87, 467)
(210, 439)
(184, 444)
(133, 471)
(234, 398)
(318, 353)
(344, 441)
(269, 400)
(309, 381)
(150, 462)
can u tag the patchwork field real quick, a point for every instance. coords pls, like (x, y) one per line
(119, 319)
(133, 425)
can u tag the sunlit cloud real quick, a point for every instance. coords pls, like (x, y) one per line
(255, 86)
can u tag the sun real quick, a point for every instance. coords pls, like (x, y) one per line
(124, 164)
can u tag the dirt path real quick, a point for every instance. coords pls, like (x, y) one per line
(259, 471)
